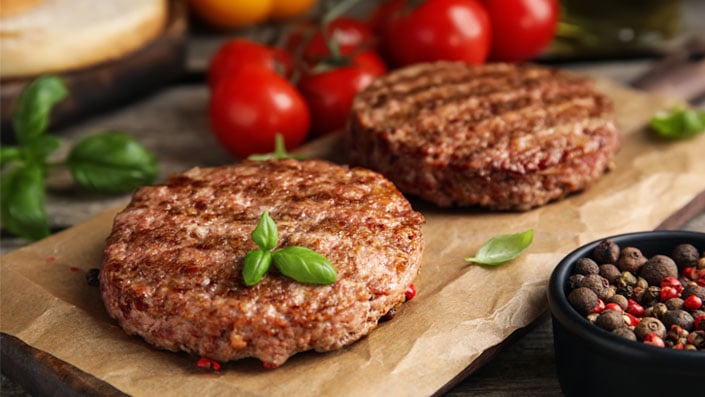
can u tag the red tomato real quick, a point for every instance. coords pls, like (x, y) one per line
(457, 30)
(238, 53)
(521, 28)
(378, 18)
(330, 94)
(350, 34)
(248, 109)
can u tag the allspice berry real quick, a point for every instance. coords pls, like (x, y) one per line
(606, 251)
(586, 266)
(621, 300)
(583, 300)
(625, 332)
(610, 272)
(685, 255)
(630, 260)
(693, 289)
(598, 284)
(674, 303)
(649, 325)
(609, 320)
(658, 267)
(680, 318)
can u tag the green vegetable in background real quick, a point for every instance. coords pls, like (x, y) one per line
(678, 123)
(111, 162)
(501, 249)
(279, 153)
(299, 263)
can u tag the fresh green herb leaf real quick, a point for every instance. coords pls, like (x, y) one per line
(502, 248)
(279, 153)
(678, 123)
(265, 234)
(112, 162)
(257, 263)
(31, 118)
(8, 154)
(299, 263)
(22, 207)
(37, 150)
(304, 265)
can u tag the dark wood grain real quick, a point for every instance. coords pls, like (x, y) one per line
(109, 84)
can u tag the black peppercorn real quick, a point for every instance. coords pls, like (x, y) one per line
(583, 300)
(674, 303)
(621, 300)
(659, 309)
(649, 325)
(92, 277)
(586, 266)
(685, 255)
(630, 260)
(574, 280)
(680, 318)
(625, 332)
(610, 272)
(693, 289)
(598, 284)
(609, 320)
(651, 295)
(606, 251)
(658, 267)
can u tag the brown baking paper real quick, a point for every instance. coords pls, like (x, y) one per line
(460, 311)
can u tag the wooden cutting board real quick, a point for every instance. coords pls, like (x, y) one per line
(111, 83)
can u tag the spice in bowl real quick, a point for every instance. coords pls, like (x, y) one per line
(658, 301)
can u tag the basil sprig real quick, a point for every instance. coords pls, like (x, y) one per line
(299, 263)
(678, 123)
(110, 162)
(503, 248)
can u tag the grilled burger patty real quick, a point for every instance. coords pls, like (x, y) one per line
(173, 262)
(501, 136)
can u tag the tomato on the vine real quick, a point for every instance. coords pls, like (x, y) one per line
(248, 109)
(380, 15)
(521, 28)
(349, 34)
(236, 54)
(457, 30)
(330, 93)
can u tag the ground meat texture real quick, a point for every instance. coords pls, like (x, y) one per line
(173, 262)
(502, 136)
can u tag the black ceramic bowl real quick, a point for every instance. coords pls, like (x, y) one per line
(593, 362)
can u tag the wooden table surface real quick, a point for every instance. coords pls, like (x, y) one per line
(172, 123)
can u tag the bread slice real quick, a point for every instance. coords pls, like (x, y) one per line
(62, 35)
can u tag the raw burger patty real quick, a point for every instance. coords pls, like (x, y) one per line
(173, 262)
(501, 136)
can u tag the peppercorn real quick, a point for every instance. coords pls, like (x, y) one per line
(699, 323)
(93, 277)
(693, 302)
(614, 307)
(649, 325)
(583, 300)
(630, 260)
(701, 263)
(625, 332)
(654, 340)
(574, 280)
(625, 284)
(598, 284)
(677, 334)
(630, 320)
(658, 267)
(659, 309)
(674, 303)
(610, 272)
(685, 255)
(634, 308)
(609, 320)
(606, 251)
(697, 338)
(621, 300)
(693, 290)
(586, 266)
(678, 317)
(389, 315)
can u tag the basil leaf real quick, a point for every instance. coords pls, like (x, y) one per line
(9, 154)
(256, 264)
(678, 123)
(265, 234)
(31, 117)
(111, 162)
(22, 204)
(40, 148)
(502, 248)
(304, 265)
